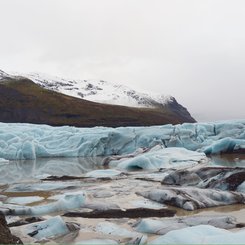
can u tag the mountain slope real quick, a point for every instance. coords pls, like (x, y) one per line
(21, 100)
(99, 91)
(109, 93)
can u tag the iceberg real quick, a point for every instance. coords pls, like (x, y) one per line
(43, 186)
(97, 241)
(241, 187)
(201, 234)
(24, 200)
(3, 161)
(115, 230)
(161, 158)
(163, 226)
(223, 178)
(30, 141)
(103, 173)
(64, 203)
(192, 198)
(50, 228)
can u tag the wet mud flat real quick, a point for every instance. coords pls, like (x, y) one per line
(111, 206)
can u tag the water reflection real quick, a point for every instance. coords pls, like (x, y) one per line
(26, 170)
(228, 160)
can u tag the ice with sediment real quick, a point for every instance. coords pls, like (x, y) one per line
(163, 226)
(3, 161)
(103, 173)
(192, 198)
(29, 141)
(52, 227)
(43, 186)
(201, 234)
(115, 230)
(241, 187)
(97, 241)
(161, 158)
(24, 200)
(64, 203)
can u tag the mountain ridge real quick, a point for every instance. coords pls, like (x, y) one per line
(32, 107)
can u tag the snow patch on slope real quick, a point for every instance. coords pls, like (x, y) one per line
(99, 91)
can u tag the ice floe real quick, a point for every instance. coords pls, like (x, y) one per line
(67, 202)
(115, 230)
(24, 200)
(97, 241)
(191, 198)
(162, 226)
(43, 186)
(103, 173)
(161, 158)
(201, 234)
(224, 178)
(3, 161)
(52, 227)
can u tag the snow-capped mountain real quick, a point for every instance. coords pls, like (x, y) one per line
(99, 91)
(105, 93)
(3, 74)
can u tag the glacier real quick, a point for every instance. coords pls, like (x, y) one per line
(29, 141)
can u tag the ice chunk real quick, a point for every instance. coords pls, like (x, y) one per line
(67, 202)
(115, 230)
(24, 200)
(162, 158)
(163, 226)
(73, 193)
(224, 178)
(191, 198)
(147, 204)
(223, 145)
(241, 187)
(103, 173)
(49, 228)
(201, 234)
(3, 161)
(97, 241)
(157, 226)
(43, 186)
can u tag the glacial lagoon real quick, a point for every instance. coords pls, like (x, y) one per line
(151, 189)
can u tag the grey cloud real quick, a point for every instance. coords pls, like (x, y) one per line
(192, 49)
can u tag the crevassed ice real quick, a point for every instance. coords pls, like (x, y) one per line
(29, 141)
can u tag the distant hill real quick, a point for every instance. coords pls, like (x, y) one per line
(108, 93)
(21, 100)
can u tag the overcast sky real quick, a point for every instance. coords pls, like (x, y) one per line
(191, 49)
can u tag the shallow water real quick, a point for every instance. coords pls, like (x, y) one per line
(23, 179)
(228, 160)
(28, 170)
